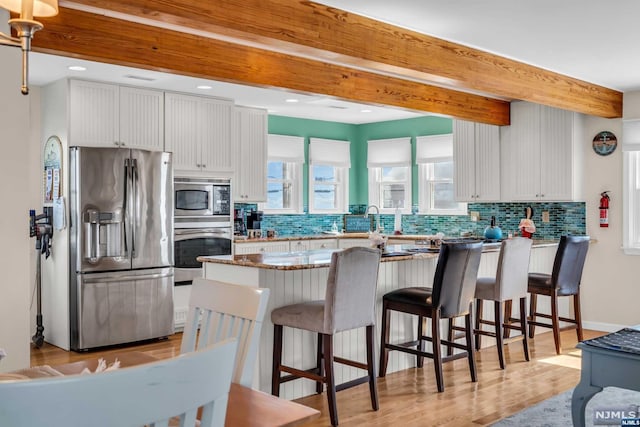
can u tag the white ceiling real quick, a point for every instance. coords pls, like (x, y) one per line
(593, 40)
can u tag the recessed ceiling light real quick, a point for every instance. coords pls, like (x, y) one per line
(204, 87)
(291, 100)
(77, 68)
(365, 111)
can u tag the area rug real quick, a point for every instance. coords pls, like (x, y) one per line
(556, 411)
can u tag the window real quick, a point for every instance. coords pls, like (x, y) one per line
(631, 186)
(389, 163)
(329, 163)
(285, 157)
(434, 156)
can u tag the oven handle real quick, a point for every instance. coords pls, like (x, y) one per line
(182, 234)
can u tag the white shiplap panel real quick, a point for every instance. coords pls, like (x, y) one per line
(181, 131)
(94, 114)
(464, 163)
(142, 118)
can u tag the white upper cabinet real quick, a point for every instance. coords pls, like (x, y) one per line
(93, 114)
(142, 118)
(476, 159)
(541, 158)
(107, 115)
(198, 132)
(250, 154)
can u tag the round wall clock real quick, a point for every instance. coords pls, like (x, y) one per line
(605, 143)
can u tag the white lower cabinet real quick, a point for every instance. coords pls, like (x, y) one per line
(323, 244)
(261, 247)
(350, 243)
(299, 245)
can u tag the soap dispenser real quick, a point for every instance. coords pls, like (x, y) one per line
(334, 228)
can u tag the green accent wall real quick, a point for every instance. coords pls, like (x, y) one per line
(358, 135)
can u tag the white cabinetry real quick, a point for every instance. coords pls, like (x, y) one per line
(106, 115)
(541, 157)
(198, 132)
(260, 247)
(299, 245)
(350, 243)
(250, 156)
(476, 159)
(323, 244)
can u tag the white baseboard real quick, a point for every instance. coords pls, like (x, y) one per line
(604, 327)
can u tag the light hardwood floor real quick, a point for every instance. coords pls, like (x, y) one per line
(409, 398)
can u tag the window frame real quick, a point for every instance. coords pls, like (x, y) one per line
(296, 190)
(376, 185)
(290, 151)
(425, 191)
(342, 190)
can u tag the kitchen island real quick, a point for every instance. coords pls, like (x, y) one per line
(301, 276)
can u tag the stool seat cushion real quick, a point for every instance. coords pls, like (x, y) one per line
(414, 295)
(485, 288)
(306, 315)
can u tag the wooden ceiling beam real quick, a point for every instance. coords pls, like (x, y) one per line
(106, 39)
(312, 30)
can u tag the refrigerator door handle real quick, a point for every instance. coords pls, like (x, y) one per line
(126, 278)
(125, 214)
(134, 176)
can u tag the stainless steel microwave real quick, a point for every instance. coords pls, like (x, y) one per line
(197, 197)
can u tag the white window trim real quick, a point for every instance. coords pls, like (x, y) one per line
(296, 193)
(342, 190)
(375, 190)
(425, 196)
(394, 152)
(290, 150)
(631, 186)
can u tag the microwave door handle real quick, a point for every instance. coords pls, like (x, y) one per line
(136, 194)
(125, 199)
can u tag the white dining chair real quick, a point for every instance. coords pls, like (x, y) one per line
(218, 311)
(148, 394)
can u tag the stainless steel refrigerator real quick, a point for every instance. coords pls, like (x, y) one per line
(121, 246)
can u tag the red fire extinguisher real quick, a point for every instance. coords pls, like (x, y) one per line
(604, 209)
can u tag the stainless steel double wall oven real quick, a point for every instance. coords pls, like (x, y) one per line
(203, 224)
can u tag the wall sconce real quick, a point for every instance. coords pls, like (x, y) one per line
(25, 27)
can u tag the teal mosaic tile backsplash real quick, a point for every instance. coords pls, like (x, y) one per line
(564, 218)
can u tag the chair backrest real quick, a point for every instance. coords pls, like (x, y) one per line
(454, 283)
(568, 264)
(136, 396)
(350, 297)
(222, 310)
(512, 273)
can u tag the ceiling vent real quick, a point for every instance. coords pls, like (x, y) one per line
(134, 77)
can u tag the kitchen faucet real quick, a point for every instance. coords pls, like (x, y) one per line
(377, 221)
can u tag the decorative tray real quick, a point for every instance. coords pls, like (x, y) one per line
(626, 340)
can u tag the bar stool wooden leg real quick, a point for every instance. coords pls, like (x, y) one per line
(327, 346)
(437, 355)
(384, 351)
(450, 335)
(277, 360)
(533, 306)
(470, 352)
(420, 359)
(479, 304)
(507, 317)
(319, 364)
(371, 369)
(523, 327)
(555, 321)
(578, 316)
(497, 320)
